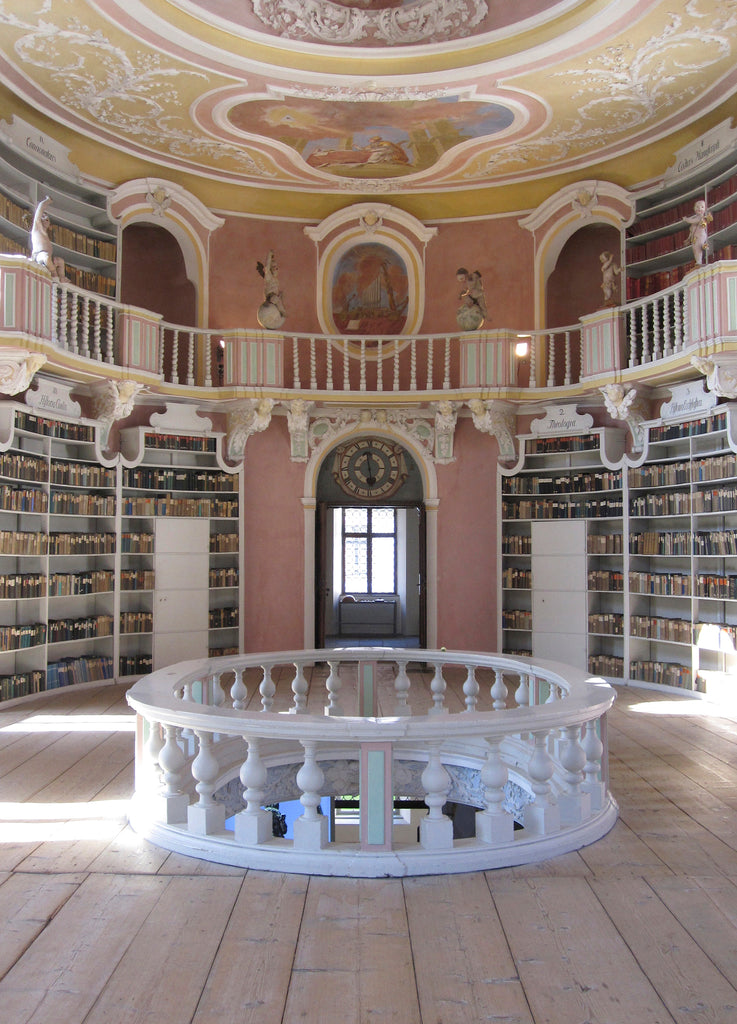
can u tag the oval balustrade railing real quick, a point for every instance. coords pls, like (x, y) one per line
(525, 746)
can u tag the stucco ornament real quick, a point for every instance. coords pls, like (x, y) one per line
(720, 373)
(250, 417)
(298, 421)
(446, 417)
(338, 23)
(629, 405)
(497, 419)
(113, 400)
(159, 198)
(17, 369)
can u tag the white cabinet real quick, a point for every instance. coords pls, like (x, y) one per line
(559, 601)
(181, 567)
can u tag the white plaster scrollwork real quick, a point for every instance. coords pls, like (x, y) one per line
(497, 419)
(250, 417)
(413, 426)
(17, 369)
(298, 421)
(630, 406)
(446, 416)
(159, 198)
(412, 22)
(113, 400)
(720, 373)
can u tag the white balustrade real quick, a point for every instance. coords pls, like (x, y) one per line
(470, 745)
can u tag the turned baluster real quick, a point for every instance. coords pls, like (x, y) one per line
(413, 364)
(437, 688)
(678, 315)
(313, 364)
(379, 365)
(575, 805)
(346, 366)
(154, 746)
(238, 691)
(175, 358)
(668, 302)
(329, 365)
(332, 685)
(217, 693)
(295, 363)
(171, 758)
(446, 371)
(109, 354)
(436, 829)
(300, 687)
(494, 824)
(429, 364)
(96, 328)
(253, 824)
(471, 688)
(522, 693)
(190, 359)
(85, 326)
(594, 749)
(401, 689)
(551, 360)
(311, 828)
(541, 816)
(208, 361)
(362, 368)
(267, 689)
(396, 365)
(499, 692)
(206, 815)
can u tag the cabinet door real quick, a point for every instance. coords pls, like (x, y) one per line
(181, 602)
(559, 604)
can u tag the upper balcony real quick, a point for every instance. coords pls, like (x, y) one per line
(84, 336)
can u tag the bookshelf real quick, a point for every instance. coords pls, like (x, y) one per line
(81, 232)
(658, 253)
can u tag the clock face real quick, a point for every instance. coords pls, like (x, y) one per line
(370, 468)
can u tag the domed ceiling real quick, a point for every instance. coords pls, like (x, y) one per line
(371, 97)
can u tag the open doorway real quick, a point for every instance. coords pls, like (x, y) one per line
(370, 575)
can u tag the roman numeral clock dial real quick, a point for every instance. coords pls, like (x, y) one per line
(369, 468)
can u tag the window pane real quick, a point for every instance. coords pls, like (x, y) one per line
(355, 520)
(355, 569)
(382, 520)
(382, 565)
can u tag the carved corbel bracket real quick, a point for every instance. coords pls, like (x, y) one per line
(298, 421)
(498, 419)
(113, 400)
(720, 372)
(446, 417)
(17, 369)
(249, 417)
(631, 406)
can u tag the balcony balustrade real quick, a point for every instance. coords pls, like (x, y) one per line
(95, 332)
(521, 742)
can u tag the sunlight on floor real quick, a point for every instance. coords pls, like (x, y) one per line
(62, 822)
(73, 723)
(685, 708)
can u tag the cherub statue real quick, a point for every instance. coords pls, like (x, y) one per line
(271, 313)
(472, 312)
(698, 235)
(41, 247)
(609, 272)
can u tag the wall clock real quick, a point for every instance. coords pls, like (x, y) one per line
(370, 468)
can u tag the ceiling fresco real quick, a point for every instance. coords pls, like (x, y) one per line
(529, 90)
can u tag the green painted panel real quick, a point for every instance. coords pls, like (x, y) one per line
(375, 797)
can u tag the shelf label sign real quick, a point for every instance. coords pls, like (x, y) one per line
(40, 148)
(703, 151)
(687, 401)
(562, 419)
(53, 398)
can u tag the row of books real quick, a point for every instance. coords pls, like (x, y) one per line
(226, 577)
(670, 584)
(693, 428)
(516, 579)
(21, 466)
(589, 509)
(70, 671)
(651, 284)
(81, 474)
(653, 543)
(202, 508)
(23, 499)
(22, 684)
(81, 543)
(224, 543)
(516, 618)
(604, 544)
(606, 580)
(62, 630)
(649, 627)
(664, 673)
(181, 443)
(553, 445)
(136, 543)
(607, 623)
(711, 585)
(578, 483)
(135, 664)
(136, 622)
(54, 428)
(668, 503)
(97, 581)
(19, 637)
(516, 544)
(15, 586)
(660, 246)
(91, 281)
(82, 504)
(606, 665)
(170, 479)
(136, 579)
(223, 618)
(23, 542)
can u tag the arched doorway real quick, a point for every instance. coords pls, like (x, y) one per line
(370, 546)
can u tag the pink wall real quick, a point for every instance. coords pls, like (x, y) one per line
(574, 287)
(153, 274)
(273, 547)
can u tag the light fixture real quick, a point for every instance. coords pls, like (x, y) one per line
(522, 346)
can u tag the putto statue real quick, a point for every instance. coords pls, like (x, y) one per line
(41, 247)
(698, 236)
(609, 273)
(271, 313)
(472, 312)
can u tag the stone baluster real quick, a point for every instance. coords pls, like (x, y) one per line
(633, 337)
(253, 824)
(567, 376)
(267, 689)
(594, 749)
(362, 368)
(436, 828)
(657, 314)
(332, 685)
(395, 384)
(238, 691)
(208, 361)
(401, 689)
(645, 336)
(446, 369)
(175, 358)
(187, 698)
(295, 363)
(154, 746)
(413, 364)
(313, 364)
(551, 360)
(85, 326)
(668, 303)
(499, 691)
(429, 364)
(346, 365)
(329, 365)
(205, 816)
(471, 688)
(533, 361)
(437, 688)
(678, 318)
(575, 804)
(541, 817)
(217, 693)
(173, 802)
(96, 329)
(66, 312)
(300, 687)
(522, 693)
(494, 825)
(110, 354)
(311, 828)
(190, 359)
(380, 365)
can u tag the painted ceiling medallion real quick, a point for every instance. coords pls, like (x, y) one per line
(394, 22)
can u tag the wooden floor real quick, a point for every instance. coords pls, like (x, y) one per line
(97, 926)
